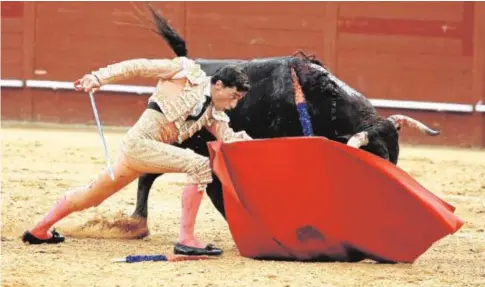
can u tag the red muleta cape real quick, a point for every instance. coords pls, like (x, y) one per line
(309, 198)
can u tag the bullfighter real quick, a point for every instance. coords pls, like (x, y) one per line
(185, 101)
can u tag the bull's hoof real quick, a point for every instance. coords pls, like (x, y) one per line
(141, 229)
(131, 227)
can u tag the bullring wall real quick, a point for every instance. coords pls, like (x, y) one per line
(422, 59)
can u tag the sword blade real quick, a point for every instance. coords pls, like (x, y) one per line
(100, 132)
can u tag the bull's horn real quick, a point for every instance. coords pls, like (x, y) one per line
(358, 140)
(401, 120)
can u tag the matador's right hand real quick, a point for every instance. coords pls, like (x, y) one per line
(89, 83)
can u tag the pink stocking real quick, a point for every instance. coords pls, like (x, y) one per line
(191, 200)
(60, 210)
(83, 197)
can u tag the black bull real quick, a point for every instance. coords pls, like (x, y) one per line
(268, 110)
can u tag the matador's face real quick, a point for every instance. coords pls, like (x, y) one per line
(225, 98)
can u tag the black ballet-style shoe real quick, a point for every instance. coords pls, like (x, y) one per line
(27, 237)
(209, 250)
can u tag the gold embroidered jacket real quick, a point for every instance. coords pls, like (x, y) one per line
(176, 98)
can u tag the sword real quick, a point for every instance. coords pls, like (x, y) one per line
(100, 132)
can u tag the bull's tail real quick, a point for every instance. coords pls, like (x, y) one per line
(173, 39)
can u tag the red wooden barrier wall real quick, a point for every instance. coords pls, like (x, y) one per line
(412, 51)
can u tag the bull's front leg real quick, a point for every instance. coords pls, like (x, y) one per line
(214, 191)
(145, 183)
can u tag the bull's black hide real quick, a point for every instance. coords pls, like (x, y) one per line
(268, 110)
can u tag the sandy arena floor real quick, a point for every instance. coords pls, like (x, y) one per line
(41, 163)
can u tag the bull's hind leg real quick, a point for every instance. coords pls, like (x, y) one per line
(145, 183)
(140, 214)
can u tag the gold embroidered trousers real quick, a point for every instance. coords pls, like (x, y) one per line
(146, 148)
